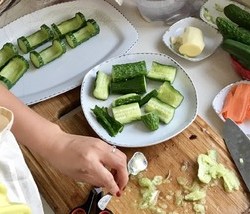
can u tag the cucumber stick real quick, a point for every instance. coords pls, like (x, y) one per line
(238, 15)
(126, 99)
(49, 54)
(136, 85)
(127, 113)
(122, 72)
(36, 39)
(69, 25)
(147, 97)
(163, 110)
(169, 95)
(162, 72)
(83, 34)
(112, 126)
(102, 82)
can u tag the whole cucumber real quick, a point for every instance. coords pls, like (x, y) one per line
(238, 50)
(230, 30)
(238, 15)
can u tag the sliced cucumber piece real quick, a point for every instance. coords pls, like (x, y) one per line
(136, 85)
(83, 34)
(162, 72)
(127, 113)
(126, 99)
(6, 53)
(164, 111)
(147, 97)
(122, 72)
(13, 71)
(168, 94)
(151, 120)
(38, 38)
(49, 54)
(69, 25)
(102, 83)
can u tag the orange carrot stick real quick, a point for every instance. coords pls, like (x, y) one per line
(237, 102)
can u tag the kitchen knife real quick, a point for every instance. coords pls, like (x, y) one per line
(238, 145)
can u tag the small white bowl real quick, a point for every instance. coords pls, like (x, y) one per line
(219, 100)
(212, 37)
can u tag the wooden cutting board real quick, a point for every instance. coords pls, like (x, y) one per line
(167, 158)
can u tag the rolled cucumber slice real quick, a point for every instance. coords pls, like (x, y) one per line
(6, 53)
(13, 71)
(49, 54)
(38, 38)
(69, 25)
(83, 34)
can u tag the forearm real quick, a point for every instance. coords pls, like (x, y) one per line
(29, 128)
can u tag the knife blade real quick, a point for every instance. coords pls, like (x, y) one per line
(238, 145)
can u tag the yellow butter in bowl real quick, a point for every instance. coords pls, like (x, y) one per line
(192, 42)
(7, 207)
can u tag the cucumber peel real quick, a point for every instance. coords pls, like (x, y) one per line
(112, 126)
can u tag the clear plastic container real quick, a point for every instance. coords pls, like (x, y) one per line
(168, 11)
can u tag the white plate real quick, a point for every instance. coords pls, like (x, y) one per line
(212, 38)
(214, 8)
(219, 101)
(116, 37)
(136, 134)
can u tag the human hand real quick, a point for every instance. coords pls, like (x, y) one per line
(90, 160)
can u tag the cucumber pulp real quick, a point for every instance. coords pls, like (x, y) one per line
(163, 110)
(126, 99)
(162, 72)
(169, 95)
(127, 113)
(102, 82)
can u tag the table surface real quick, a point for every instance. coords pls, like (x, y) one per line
(209, 76)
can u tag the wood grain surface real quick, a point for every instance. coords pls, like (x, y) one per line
(167, 158)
